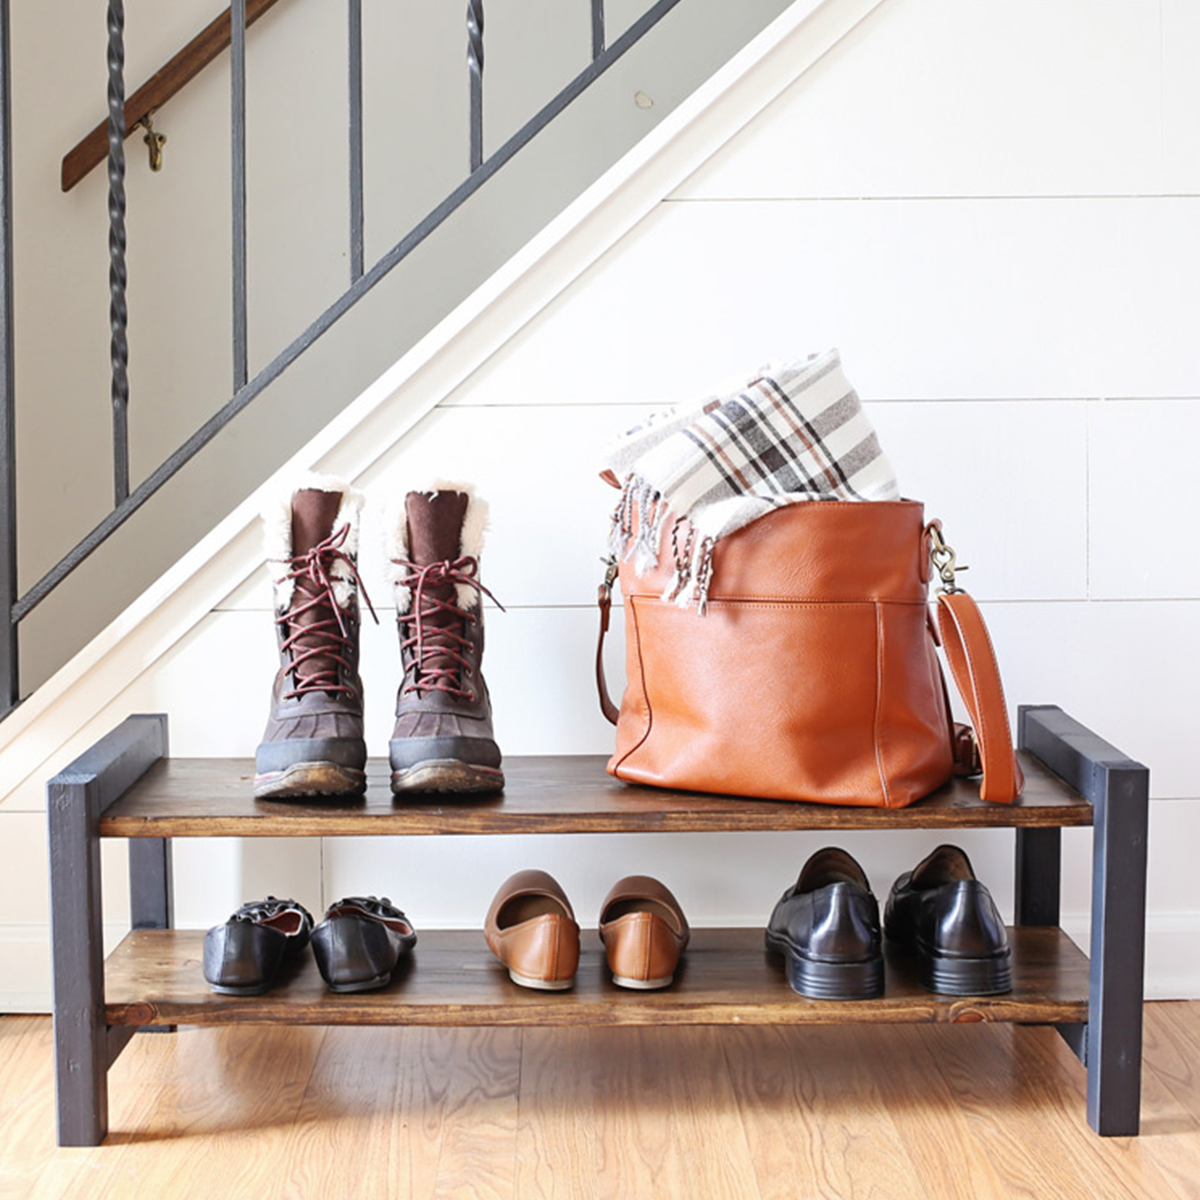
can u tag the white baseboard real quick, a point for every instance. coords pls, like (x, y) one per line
(1172, 964)
(25, 971)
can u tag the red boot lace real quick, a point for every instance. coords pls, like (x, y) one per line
(440, 641)
(328, 638)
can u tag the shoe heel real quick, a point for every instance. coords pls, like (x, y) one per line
(835, 980)
(361, 985)
(542, 985)
(966, 976)
(643, 985)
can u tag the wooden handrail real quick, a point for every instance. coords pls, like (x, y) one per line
(158, 89)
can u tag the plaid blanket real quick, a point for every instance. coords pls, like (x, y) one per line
(792, 433)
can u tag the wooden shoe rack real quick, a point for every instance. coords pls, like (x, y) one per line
(127, 787)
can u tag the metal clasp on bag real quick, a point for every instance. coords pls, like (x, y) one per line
(604, 592)
(945, 561)
(611, 570)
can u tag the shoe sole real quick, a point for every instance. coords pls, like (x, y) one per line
(821, 980)
(361, 985)
(447, 775)
(643, 985)
(964, 976)
(542, 985)
(252, 989)
(310, 779)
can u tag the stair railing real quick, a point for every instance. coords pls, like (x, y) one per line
(127, 499)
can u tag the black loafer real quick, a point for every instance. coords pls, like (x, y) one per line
(827, 928)
(360, 942)
(947, 919)
(242, 957)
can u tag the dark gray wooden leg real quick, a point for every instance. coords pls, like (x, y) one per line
(151, 895)
(1119, 791)
(1114, 1039)
(1039, 876)
(80, 1032)
(84, 1046)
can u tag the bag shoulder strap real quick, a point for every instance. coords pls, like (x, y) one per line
(977, 676)
(604, 599)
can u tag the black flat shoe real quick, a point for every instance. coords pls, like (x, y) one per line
(827, 928)
(360, 942)
(948, 921)
(242, 957)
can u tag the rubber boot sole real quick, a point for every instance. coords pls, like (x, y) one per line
(447, 775)
(823, 980)
(310, 779)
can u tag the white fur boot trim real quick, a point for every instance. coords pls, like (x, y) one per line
(395, 537)
(277, 536)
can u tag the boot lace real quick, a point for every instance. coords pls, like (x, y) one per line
(327, 638)
(438, 641)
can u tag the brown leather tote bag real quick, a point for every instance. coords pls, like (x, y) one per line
(814, 674)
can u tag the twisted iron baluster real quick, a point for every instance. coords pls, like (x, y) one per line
(118, 314)
(475, 71)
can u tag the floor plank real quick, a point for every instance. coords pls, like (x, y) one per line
(814, 1120)
(556, 1132)
(706, 1126)
(181, 1104)
(928, 1117)
(1173, 1050)
(27, 1119)
(1018, 1089)
(866, 1113)
(482, 1068)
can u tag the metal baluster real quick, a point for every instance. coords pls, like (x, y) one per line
(237, 65)
(118, 313)
(475, 71)
(267, 375)
(356, 141)
(9, 684)
(597, 28)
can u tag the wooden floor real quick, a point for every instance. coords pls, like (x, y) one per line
(920, 1112)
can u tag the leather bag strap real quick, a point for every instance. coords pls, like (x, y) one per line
(604, 599)
(977, 676)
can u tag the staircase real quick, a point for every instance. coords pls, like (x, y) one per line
(275, 268)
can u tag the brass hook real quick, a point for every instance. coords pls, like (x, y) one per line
(945, 561)
(154, 140)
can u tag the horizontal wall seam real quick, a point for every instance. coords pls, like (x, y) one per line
(940, 199)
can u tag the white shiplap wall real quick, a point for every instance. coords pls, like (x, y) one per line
(993, 208)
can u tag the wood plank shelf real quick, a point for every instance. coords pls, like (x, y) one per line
(726, 978)
(206, 797)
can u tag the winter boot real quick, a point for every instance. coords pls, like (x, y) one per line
(313, 744)
(443, 737)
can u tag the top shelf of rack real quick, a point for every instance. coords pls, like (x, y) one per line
(211, 797)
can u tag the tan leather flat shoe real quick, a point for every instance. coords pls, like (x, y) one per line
(644, 932)
(531, 929)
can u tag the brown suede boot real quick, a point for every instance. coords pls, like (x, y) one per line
(443, 737)
(313, 744)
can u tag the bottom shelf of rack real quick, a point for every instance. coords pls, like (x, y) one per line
(726, 978)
